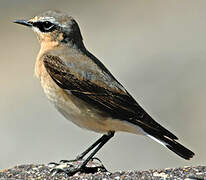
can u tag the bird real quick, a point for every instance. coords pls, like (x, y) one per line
(84, 91)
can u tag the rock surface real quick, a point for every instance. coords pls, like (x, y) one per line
(43, 172)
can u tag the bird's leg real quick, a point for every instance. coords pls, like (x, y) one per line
(80, 156)
(105, 139)
(82, 168)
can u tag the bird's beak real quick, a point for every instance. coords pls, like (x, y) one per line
(23, 22)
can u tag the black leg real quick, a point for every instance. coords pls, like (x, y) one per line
(80, 156)
(105, 139)
(82, 168)
(91, 147)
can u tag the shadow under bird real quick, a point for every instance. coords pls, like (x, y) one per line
(84, 90)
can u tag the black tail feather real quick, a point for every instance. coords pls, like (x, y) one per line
(175, 147)
(179, 149)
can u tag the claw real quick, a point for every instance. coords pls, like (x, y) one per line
(60, 169)
(71, 167)
(53, 163)
(95, 158)
(101, 167)
(66, 161)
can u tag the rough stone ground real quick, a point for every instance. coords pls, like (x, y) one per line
(43, 172)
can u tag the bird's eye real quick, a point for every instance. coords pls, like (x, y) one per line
(44, 26)
(47, 25)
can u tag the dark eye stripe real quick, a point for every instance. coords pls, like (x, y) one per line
(45, 26)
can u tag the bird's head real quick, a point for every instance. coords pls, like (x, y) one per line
(54, 27)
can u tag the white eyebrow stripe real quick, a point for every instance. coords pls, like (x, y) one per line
(52, 20)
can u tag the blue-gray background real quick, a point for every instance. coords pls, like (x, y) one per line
(157, 49)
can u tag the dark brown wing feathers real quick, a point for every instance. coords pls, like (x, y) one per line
(117, 105)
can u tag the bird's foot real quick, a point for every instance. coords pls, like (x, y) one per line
(64, 161)
(71, 167)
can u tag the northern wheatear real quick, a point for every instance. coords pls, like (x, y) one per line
(84, 90)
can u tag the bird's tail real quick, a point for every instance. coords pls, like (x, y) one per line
(173, 146)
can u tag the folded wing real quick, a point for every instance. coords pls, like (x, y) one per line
(114, 101)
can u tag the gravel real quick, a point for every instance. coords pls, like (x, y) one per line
(43, 172)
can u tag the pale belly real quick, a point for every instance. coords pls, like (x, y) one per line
(81, 113)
